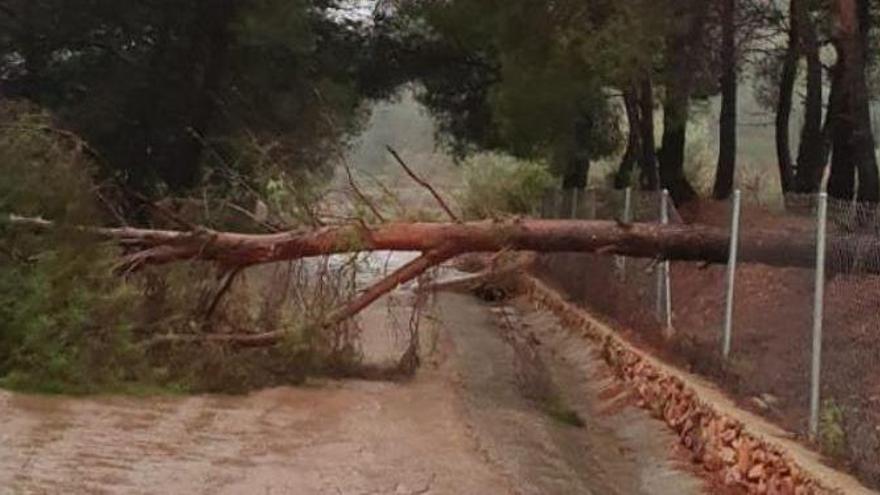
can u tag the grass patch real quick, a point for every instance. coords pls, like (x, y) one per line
(558, 410)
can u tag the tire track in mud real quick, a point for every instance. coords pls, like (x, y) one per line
(624, 453)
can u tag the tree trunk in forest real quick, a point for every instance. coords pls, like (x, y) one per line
(786, 91)
(852, 139)
(209, 52)
(727, 125)
(676, 105)
(578, 159)
(866, 157)
(812, 157)
(675, 117)
(624, 175)
(649, 178)
(576, 174)
(842, 179)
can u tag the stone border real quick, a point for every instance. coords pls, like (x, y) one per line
(735, 451)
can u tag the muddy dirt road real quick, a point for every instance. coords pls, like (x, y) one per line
(462, 426)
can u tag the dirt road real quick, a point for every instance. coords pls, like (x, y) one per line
(462, 426)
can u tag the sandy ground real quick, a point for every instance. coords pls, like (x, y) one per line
(462, 426)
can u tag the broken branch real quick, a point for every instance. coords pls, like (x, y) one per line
(424, 184)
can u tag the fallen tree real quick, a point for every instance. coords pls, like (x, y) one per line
(682, 242)
(439, 242)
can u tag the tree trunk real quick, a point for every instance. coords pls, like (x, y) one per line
(842, 179)
(812, 157)
(727, 135)
(852, 139)
(578, 159)
(624, 175)
(649, 178)
(576, 174)
(675, 117)
(445, 240)
(683, 48)
(866, 158)
(208, 56)
(786, 91)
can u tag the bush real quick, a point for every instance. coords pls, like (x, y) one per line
(69, 324)
(498, 185)
(65, 319)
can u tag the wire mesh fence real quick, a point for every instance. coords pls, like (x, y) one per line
(769, 367)
(625, 290)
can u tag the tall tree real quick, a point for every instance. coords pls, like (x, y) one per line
(727, 135)
(539, 96)
(852, 139)
(812, 157)
(685, 42)
(650, 173)
(633, 152)
(169, 90)
(786, 92)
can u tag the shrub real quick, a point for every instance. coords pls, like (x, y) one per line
(497, 185)
(832, 435)
(65, 318)
(68, 323)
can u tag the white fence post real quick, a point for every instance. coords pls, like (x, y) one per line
(731, 273)
(818, 312)
(627, 218)
(664, 299)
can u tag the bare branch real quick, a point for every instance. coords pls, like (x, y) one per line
(224, 288)
(400, 276)
(423, 183)
(360, 194)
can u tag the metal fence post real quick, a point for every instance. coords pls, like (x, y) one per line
(664, 301)
(731, 273)
(818, 312)
(627, 218)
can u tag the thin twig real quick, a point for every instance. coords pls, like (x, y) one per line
(161, 210)
(400, 276)
(423, 183)
(244, 211)
(224, 288)
(360, 194)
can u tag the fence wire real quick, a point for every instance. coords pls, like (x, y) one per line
(768, 369)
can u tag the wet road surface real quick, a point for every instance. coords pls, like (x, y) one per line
(463, 426)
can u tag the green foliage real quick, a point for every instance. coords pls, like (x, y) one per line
(832, 432)
(166, 91)
(498, 184)
(65, 319)
(69, 324)
(519, 77)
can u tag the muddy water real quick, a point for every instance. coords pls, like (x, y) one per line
(462, 426)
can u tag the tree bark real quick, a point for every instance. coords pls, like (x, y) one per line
(852, 139)
(812, 157)
(577, 172)
(786, 91)
(649, 178)
(442, 241)
(675, 117)
(727, 126)
(624, 175)
(683, 48)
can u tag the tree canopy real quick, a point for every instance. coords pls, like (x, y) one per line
(168, 92)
